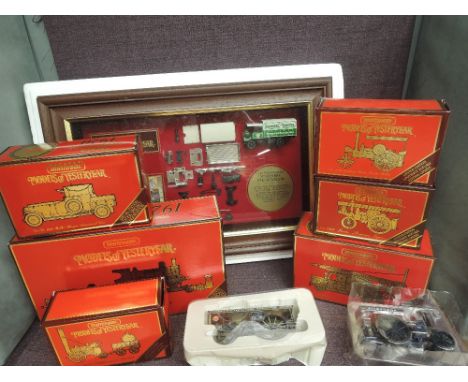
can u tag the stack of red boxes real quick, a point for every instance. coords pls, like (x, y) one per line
(374, 169)
(82, 220)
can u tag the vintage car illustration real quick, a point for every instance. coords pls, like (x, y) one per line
(78, 200)
(271, 323)
(271, 132)
(340, 280)
(383, 158)
(413, 328)
(172, 275)
(374, 217)
(80, 352)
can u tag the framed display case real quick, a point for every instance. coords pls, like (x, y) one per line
(244, 135)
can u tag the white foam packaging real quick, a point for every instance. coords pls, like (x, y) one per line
(255, 329)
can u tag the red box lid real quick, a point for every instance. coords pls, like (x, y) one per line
(385, 104)
(104, 300)
(73, 149)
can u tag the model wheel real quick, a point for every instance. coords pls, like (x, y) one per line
(134, 349)
(379, 149)
(76, 357)
(273, 322)
(251, 144)
(392, 329)
(276, 326)
(33, 220)
(379, 224)
(120, 352)
(280, 141)
(102, 211)
(103, 355)
(224, 335)
(348, 222)
(442, 340)
(386, 161)
(73, 206)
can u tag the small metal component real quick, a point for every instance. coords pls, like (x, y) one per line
(179, 157)
(196, 157)
(169, 157)
(179, 176)
(210, 191)
(223, 153)
(177, 135)
(156, 188)
(233, 178)
(200, 172)
(230, 195)
(191, 134)
(214, 185)
(184, 194)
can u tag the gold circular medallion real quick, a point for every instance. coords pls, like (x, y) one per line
(270, 188)
(31, 151)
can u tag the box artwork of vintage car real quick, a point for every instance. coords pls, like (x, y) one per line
(73, 186)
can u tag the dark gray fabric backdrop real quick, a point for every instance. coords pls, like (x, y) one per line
(373, 50)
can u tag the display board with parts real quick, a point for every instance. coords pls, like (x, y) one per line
(254, 161)
(110, 325)
(168, 247)
(72, 186)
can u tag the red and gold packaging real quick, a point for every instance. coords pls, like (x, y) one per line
(328, 266)
(183, 243)
(394, 141)
(110, 325)
(378, 213)
(73, 186)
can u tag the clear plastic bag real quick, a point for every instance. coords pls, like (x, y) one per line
(395, 325)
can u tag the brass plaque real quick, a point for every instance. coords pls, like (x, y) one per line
(270, 188)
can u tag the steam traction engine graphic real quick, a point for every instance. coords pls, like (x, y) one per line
(339, 280)
(272, 132)
(78, 200)
(129, 343)
(269, 323)
(79, 353)
(384, 159)
(172, 275)
(374, 217)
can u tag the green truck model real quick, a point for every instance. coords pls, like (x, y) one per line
(272, 132)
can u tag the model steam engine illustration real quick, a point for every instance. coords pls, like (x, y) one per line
(339, 280)
(270, 323)
(172, 275)
(271, 132)
(78, 200)
(383, 158)
(412, 328)
(374, 217)
(79, 353)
